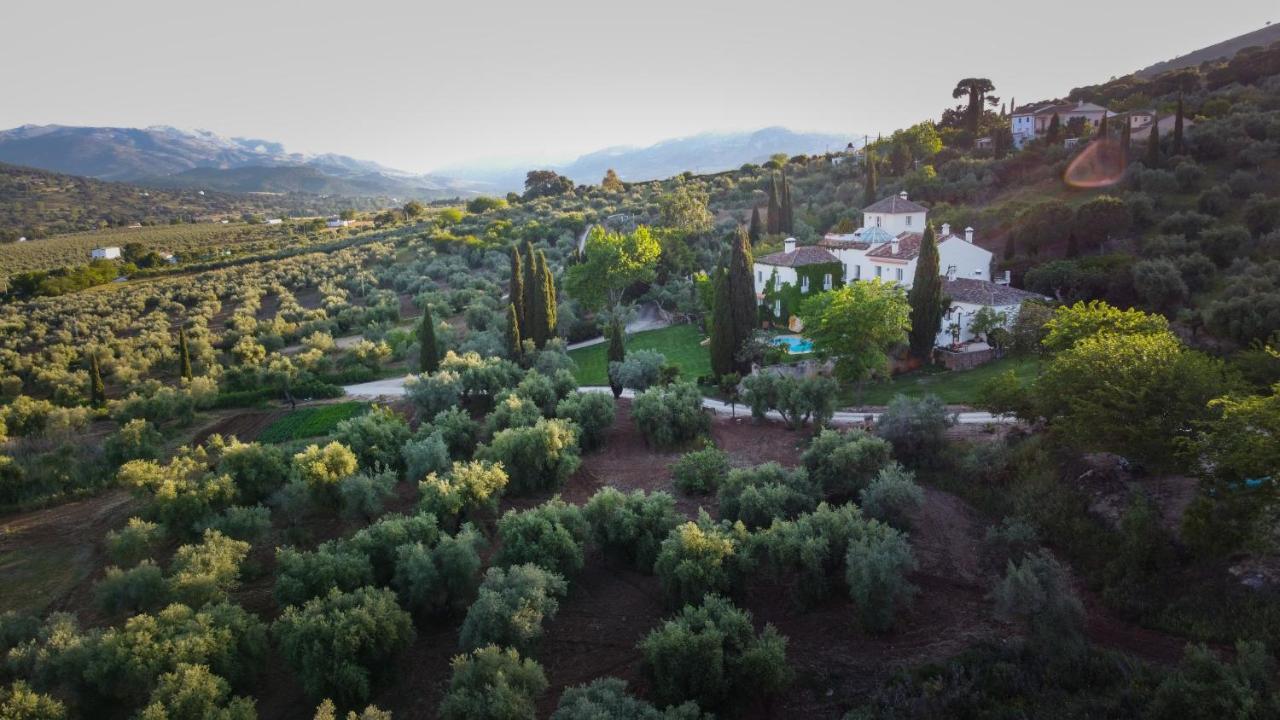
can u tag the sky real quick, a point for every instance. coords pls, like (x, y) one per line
(427, 85)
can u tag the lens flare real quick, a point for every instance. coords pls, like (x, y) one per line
(1101, 164)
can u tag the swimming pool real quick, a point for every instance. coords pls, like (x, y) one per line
(793, 345)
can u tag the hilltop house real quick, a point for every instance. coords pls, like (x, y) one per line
(886, 247)
(1032, 121)
(334, 222)
(105, 253)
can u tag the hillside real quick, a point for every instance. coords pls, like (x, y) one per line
(37, 203)
(1224, 50)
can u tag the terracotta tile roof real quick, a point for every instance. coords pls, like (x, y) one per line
(894, 204)
(983, 292)
(837, 244)
(804, 255)
(908, 248)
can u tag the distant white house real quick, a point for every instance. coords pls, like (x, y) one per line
(888, 247)
(105, 253)
(169, 258)
(337, 222)
(275, 221)
(1032, 121)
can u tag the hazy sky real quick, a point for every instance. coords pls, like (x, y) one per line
(422, 85)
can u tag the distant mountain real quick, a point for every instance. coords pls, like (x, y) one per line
(1224, 50)
(169, 157)
(704, 153)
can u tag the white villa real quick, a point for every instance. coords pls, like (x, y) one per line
(105, 253)
(888, 247)
(1032, 121)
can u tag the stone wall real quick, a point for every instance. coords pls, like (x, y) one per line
(965, 360)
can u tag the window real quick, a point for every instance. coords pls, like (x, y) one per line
(879, 271)
(777, 308)
(759, 276)
(899, 274)
(908, 221)
(804, 284)
(877, 221)
(826, 282)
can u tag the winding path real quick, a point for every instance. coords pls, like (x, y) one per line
(394, 388)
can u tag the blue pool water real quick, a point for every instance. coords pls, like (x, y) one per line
(794, 345)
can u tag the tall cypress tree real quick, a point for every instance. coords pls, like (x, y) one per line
(1126, 139)
(529, 262)
(870, 192)
(1102, 127)
(1178, 148)
(513, 332)
(755, 229)
(617, 352)
(723, 336)
(535, 326)
(1054, 133)
(428, 351)
(785, 224)
(550, 315)
(1153, 145)
(742, 296)
(97, 389)
(775, 209)
(515, 292)
(184, 354)
(926, 298)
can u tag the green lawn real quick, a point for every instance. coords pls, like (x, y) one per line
(679, 343)
(955, 388)
(310, 422)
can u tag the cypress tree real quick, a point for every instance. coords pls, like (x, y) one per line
(535, 325)
(513, 332)
(97, 389)
(530, 292)
(722, 329)
(785, 224)
(742, 296)
(755, 230)
(515, 292)
(184, 354)
(1055, 130)
(926, 298)
(869, 192)
(775, 210)
(617, 352)
(550, 315)
(1102, 127)
(1178, 149)
(1153, 145)
(1126, 139)
(428, 352)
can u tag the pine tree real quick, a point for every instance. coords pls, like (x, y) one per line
(513, 332)
(870, 192)
(926, 297)
(428, 351)
(1178, 149)
(722, 329)
(551, 314)
(97, 389)
(1153, 145)
(184, 354)
(515, 291)
(755, 230)
(617, 351)
(1054, 135)
(742, 296)
(775, 210)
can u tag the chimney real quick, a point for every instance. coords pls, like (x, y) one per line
(893, 246)
(968, 234)
(789, 245)
(1005, 278)
(951, 272)
(903, 194)
(946, 229)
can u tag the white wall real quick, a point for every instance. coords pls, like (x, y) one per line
(970, 261)
(894, 223)
(964, 312)
(764, 272)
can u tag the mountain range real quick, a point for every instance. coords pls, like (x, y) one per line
(1225, 50)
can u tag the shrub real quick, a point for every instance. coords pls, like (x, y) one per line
(139, 589)
(257, 470)
(182, 493)
(544, 391)
(592, 413)
(797, 400)
(699, 472)
(191, 692)
(875, 568)
(442, 577)
(434, 393)
(322, 468)
(458, 431)
(1205, 688)
(916, 428)
(843, 463)
(809, 550)
(19, 702)
(640, 370)
(756, 496)
(892, 497)
(380, 541)
(493, 684)
(376, 437)
(1012, 539)
(303, 575)
(425, 455)
(205, 573)
(467, 488)
(700, 558)
(336, 642)
(328, 711)
(670, 415)
(511, 607)
(536, 458)
(608, 698)
(550, 536)
(1037, 591)
(710, 654)
(631, 526)
(137, 540)
(360, 496)
(136, 440)
(512, 411)
(241, 523)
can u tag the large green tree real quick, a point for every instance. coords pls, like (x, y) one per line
(927, 300)
(612, 263)
(722, 334)
(743, 313)
(976, 90)
(856, 325)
